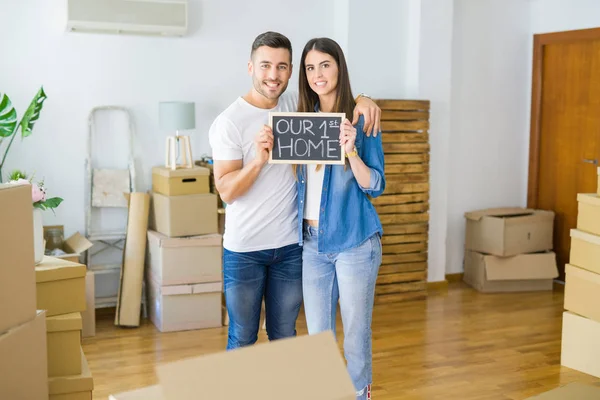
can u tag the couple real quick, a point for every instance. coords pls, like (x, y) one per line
(300, 232)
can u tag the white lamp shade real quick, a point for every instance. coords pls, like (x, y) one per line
(177, 115)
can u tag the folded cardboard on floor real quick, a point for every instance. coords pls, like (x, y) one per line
(132, 273)
(572, 391)
(580, 347)
(73, 387)
(64, 343)
(585, 250)
(525, 272)
(24, 360)
(192, 259)
(180, 181)
(186, 215)
(17, 275)
(60, 286)
(283, 369)
(509, 231)
(184, 307)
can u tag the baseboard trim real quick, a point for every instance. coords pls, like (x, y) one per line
(455, 277)
(439, 285)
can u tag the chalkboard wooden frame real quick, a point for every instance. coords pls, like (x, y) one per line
(338, 161)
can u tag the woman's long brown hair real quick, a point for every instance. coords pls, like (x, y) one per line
(308, 99)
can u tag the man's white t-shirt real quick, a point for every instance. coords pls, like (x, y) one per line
(265, 217)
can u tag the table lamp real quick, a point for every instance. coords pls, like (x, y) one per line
(177, 116)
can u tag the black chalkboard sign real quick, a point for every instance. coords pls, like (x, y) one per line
(306, 138)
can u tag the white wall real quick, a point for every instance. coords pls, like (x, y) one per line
(559, 15)
(434, 84)
(490, 118)
(81, 71)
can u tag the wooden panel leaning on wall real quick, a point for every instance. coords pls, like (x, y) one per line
(404, 206)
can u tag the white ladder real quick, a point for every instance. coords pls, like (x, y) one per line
(104, 188)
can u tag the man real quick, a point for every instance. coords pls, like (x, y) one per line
(261, 253)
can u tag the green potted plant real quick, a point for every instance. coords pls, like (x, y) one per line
(9, 123)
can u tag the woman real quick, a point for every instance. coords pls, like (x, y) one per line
(341, 231)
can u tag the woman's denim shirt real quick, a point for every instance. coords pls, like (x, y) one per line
(346, 216)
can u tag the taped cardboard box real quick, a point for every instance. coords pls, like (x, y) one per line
(509, 231)
(585, 251)
(181, 181)
(23, 361)
(525, 272)
(187, 215)
(184, 307)
(146, 393)
(60, 286)
(192, 259)
(73, 387)
(582, 292)
(64, 344)
(572, 391)
(17, 275)
(580, 347)
(282, 369)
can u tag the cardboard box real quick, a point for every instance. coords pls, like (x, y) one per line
(184, 307)
(73, 387)
(582, 292)
(580, 347)
(182, 181)
(525, 272)
(88, 317)
(23, 361)
(17, 275)
(572, 391)
(509, 231)
(64, 344)
(585, 251)
(73, 246)
(60, 286)
(192, 259)
(588, 213)
(146, 393)
(288, 370)
(188, 215)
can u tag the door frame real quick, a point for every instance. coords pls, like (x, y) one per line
(539, 41)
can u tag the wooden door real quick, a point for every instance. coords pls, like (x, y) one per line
(565, 128)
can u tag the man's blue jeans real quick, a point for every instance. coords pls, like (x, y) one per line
(275, 274)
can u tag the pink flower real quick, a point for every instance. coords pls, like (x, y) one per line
(37, 193)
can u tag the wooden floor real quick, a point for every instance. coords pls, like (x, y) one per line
(457, 344)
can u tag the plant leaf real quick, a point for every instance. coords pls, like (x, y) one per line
(8, 116)
(39, 205)
(53, 202)
(33, 113)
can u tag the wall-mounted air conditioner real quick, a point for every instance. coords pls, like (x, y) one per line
(143, 17)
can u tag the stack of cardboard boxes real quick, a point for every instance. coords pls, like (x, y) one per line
(184, 277)
(581, 319)
(23, 348)
(61, 291)
(509, 250)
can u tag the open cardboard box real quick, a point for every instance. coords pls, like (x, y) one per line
(73, 246)
(282, 369)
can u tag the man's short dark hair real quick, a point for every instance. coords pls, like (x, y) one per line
(274, 40)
